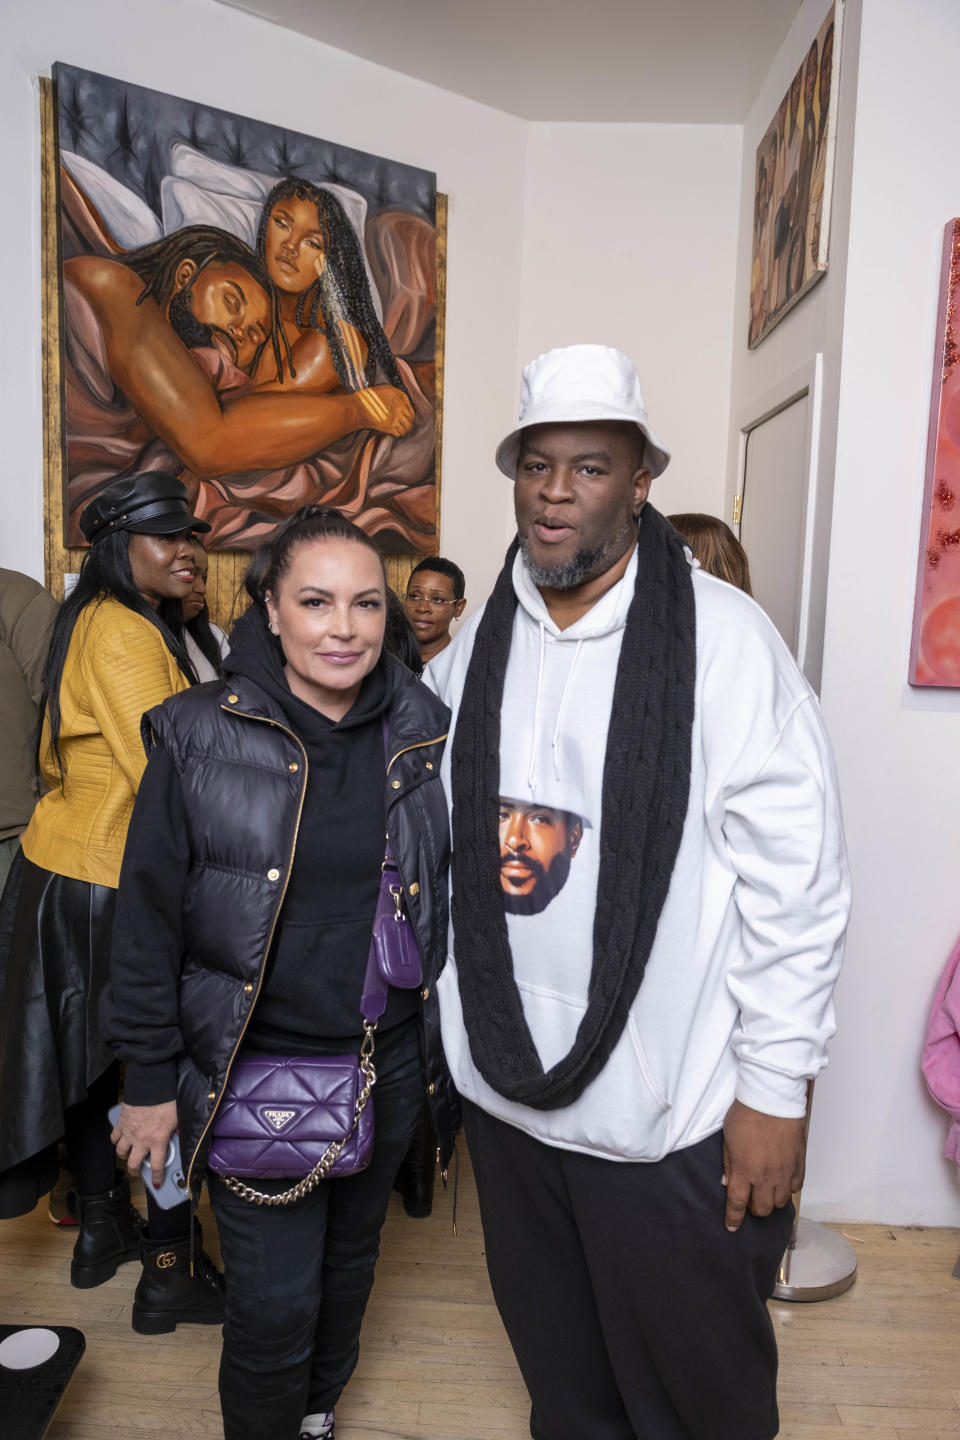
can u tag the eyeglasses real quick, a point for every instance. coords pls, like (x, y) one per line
(436, 602)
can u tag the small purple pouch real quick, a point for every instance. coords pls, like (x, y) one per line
(394, 941)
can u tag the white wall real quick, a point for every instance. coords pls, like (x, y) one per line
(205, 51)
(876, 1142)
(630, 239)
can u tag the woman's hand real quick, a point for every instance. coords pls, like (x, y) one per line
(143, 1132)
(384, 407)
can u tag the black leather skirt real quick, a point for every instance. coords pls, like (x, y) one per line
(55, 936)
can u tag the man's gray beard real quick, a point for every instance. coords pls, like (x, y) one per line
(585, 565)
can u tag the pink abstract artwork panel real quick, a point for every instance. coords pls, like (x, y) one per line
(935, 649)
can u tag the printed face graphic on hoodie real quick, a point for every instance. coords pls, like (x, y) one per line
(537, 846)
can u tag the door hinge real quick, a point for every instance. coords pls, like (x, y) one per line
(737, 508)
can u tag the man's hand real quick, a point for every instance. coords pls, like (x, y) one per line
(142, 1132)
(763, 1162)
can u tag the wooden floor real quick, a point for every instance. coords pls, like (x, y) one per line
(879, 1363)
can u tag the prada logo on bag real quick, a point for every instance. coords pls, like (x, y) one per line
(278, 1118)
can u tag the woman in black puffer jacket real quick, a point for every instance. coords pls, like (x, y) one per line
(245, 908)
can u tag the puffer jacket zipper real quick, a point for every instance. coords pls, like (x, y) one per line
(420, 745)
(264, 720)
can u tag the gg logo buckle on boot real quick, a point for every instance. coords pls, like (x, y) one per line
(166, 1261)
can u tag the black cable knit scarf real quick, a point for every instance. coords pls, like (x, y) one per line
(646, 785)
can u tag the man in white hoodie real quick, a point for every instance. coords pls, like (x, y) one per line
(634, 1055)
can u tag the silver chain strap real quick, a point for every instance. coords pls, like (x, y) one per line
(322, 1170)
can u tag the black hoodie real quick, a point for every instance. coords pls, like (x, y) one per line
(315, 971)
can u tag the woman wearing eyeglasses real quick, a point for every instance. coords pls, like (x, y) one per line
(433, 601)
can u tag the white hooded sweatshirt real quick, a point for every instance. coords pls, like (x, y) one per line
(736, 1000)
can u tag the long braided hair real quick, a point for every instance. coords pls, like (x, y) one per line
(341, 294)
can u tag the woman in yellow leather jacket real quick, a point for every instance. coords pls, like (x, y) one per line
(116, 650)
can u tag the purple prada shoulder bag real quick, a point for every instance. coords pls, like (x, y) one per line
(310, 1117)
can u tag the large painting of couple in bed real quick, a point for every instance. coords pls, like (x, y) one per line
(247, 307)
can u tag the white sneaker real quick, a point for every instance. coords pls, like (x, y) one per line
(318, 1426)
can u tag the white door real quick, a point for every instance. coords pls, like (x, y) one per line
(773, 513)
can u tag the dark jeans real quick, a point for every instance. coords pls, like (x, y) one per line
(298, 1276)
(633, 1313)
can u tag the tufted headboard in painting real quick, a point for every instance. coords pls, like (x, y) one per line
(98, 120)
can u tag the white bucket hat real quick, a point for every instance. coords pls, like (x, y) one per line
(581, 383)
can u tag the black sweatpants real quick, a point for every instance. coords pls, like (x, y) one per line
(633, 1313)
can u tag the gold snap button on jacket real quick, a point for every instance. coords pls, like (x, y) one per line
(395, 784)
(212, 1095)
(429, 764)
(293, 765)
(431, 1088)
(248, 989)
(425, 993)
(273, 874)
(415, 888)
(233, 699)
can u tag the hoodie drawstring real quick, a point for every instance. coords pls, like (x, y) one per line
(532, 768)
(538, 710)
(562, 711)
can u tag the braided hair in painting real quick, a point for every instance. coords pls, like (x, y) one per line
(341, 293)
(158, 262)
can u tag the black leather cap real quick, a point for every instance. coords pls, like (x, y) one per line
(152, 503)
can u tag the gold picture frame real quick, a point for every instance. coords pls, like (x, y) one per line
(793, 185)
(227, 567)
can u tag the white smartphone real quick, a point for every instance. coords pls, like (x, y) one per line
(174, 1190)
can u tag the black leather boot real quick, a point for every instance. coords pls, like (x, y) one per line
(416, 1174)
(110, 1234)
(168, 1295)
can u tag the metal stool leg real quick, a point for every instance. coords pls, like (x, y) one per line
(817, 1264)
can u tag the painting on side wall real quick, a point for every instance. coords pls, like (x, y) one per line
(792, 189)
(248, 307)
(935, 646)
